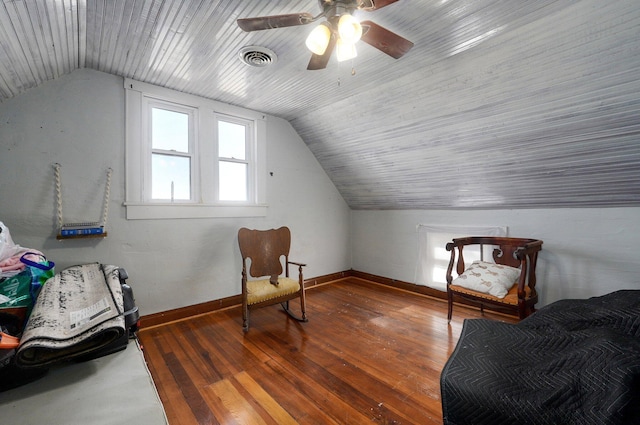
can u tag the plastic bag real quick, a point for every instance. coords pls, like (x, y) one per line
(40, 270)
(18, 293)
(7, 247)
(15, 291)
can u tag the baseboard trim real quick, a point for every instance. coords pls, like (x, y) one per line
(309, 283)
(163, 317)
(181, 313)
(411, 287)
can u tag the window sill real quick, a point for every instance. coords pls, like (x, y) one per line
(168, 211)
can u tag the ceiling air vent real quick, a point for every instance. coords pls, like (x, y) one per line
(257, 56)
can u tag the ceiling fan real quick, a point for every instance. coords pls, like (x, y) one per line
(340, 29)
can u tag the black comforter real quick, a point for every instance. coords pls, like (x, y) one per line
(572, 362)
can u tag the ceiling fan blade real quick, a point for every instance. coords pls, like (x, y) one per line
(274, 21)
(385, 40)
(379, 4)
(321, 61)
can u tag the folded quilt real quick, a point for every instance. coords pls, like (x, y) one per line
(77, 312)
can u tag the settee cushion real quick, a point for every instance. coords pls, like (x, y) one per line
(488, 278)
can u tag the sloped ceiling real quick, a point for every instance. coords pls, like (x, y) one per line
(500, 104)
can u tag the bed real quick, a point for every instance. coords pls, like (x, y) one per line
(77, 363)
(114, 389)
(572, 362)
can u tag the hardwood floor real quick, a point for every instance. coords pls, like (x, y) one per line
(369, 354)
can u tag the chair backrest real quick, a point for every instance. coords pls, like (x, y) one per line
(265, 249)
(514, 252)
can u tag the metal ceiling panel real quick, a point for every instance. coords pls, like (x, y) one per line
(500, 103)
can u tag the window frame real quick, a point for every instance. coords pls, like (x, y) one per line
(148, 104)
(249, 155)
(204, 203)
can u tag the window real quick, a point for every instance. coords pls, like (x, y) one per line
(233, 159)
(189, 157)
(172, 152)
(433, 257)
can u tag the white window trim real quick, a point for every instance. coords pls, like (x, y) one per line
(204, 206)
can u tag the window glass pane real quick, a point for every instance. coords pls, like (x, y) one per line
(170, 175)
(169, 130)
(233, 181)
(231, 140)
(433, 258)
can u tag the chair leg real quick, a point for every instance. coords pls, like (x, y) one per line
(245, 317)
(449, 306)
(522, 311)
(303, 306)
(285, 306)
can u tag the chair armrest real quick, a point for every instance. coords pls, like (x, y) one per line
(300, 266)
(528, 249)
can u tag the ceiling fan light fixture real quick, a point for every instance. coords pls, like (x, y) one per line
(345, 51)
(349, 29)
(318, 39)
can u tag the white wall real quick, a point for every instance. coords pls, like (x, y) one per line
(586, 252)
(77, 120)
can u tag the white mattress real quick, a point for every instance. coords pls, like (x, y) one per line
(115, 389)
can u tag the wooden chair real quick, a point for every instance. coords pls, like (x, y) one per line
(265, 249)
(520, 253)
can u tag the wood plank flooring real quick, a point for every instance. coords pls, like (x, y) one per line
(369, 354)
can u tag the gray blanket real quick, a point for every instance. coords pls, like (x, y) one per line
(77, 312)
